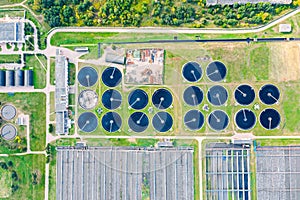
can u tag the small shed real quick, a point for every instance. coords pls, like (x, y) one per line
(285, 28)
(113, 58)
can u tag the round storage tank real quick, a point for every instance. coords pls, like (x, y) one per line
(88, 99)
(19, 78)
(2, 78)
(8, 112)
(8, 132)
(10, 78)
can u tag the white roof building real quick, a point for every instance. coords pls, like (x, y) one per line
(285, 28)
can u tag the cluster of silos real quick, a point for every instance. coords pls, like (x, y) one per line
(16, 78)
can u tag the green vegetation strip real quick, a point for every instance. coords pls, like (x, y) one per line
(39, 65)
(157, 13)
(7, 2)
(10, 59)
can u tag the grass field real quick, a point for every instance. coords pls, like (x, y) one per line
(278, 142)
(34, 105)
(52, 106)
(30, 181)
(11, 12)
(7, 2)
(39, 65)
(52, 71)
(6, 183)
(72, 73)
(10, 59)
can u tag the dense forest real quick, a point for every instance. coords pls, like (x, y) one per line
(189, 13)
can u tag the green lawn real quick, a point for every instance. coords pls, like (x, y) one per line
(291, 98)
(52, 106)
(6, 183)
(11, 12)
(72, 73)
(39, 66)
(10, 59)
(278, 142)
(30, 181)
(7, 2)
(79, 38)
(52, 71)
(33, 104)
(72, 99)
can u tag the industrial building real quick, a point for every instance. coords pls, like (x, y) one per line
(12, 32)
(113, 58)
(16, 78)
(61, 95)
(124, 173)
(227, 171)
(277, 172)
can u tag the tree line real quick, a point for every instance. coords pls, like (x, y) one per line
(193, 13)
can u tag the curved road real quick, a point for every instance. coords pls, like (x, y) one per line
(171, 30)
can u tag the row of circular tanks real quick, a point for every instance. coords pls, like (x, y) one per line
(8, 130)
(162, 99)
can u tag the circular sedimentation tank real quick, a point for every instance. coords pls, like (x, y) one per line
(217, 95)
(162, 121)
(138, 122)
(192, 71)
(162, 99)
(111, 122)
(194, 120)
(269, 94)
(87, 122)
(138, 99)
(245, 119)
(193, 95)
(111, 76)
(216, 71)
(87, 76)
(218, 120)
(244, 94)
(269, 118)
(111, 99)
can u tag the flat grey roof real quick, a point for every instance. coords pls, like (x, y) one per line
(61, 94)
(124, 173)
(11, 32)
(278, 172)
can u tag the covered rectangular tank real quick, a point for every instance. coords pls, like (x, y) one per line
(29, 77)
(19, 78)
(2, 78)
(10, 78)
